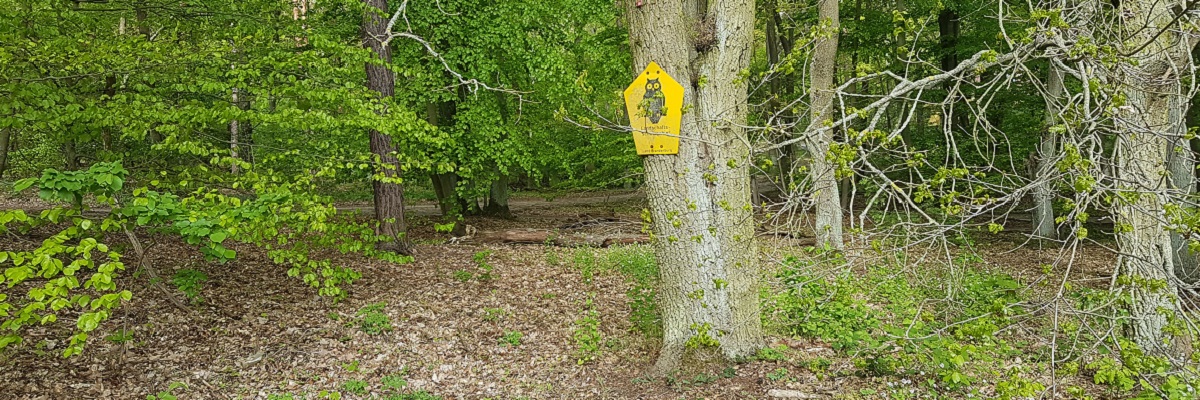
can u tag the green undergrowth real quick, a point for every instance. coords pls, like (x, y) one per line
(637, 264)
(961, 330)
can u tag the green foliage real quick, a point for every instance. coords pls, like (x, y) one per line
(372, 320)
(168, 394)
(395, 383)
(120, 336)
(511, 338)
(189, 281)
(355, 386)
(638, 265)
(493, 314)
(587, 334)
(418, 395)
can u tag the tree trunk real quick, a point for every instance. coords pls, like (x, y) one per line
(70, 156)
(1043, 193)
(110, 91)
(5, 145)
(497, 203)
(824, 173)
(1181, 165)
(144, 29)
(233, 135)
(1143, 123)
(389, 193)
(700, 198)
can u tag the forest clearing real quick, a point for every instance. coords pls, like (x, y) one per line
(612, 199)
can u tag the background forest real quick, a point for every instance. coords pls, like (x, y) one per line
(417, 200)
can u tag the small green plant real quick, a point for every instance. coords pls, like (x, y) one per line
(587, 334)
(168, 394)
(120, 336)
(462, 275)
(395, 383)
(355, 386)
(373, 320)
(485, 269)
(493, 314)
(511, 338)
(444, 228)
(419, 395)
(350, 366)
(777, 353)
(778, 374)
(190, 281)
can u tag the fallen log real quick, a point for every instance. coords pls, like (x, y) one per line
(554, 238)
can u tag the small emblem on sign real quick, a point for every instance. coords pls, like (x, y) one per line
(655, 104)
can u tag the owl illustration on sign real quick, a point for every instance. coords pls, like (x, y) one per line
(653, 101)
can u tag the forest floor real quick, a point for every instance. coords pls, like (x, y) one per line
(459, 329)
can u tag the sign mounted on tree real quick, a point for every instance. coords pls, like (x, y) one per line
(655, 104)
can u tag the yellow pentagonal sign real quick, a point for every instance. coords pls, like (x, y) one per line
(655, 104)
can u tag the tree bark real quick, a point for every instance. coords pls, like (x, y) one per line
(1043, 193)
(5, 145)
(1143, 124)
(388, 192)
(144, 29)
(497, 202)
(233, 135)
(824, 180)
(699, 199)
(1181, 165)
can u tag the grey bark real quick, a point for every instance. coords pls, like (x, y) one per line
(700, 198)
(1181, 165)
(1143, 124)
(233, 135)
(828, 225)
(1043, 193)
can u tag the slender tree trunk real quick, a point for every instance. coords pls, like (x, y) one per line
(1181, 165)
(389, 193)
(949, 26)
(233, 135)
(824, 180)
(700, 198)
(1143, 123)
(110, 91)
(1043, 193)
(144, 29)
(5, 145)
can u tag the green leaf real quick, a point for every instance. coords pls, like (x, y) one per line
(22, 185)
(217, 237)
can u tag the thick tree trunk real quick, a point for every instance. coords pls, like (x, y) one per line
(70, 155)
(700, 198)
(389, 193)
(1043, 193)
(497, 202)
(828, 225)
(1144, 123)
